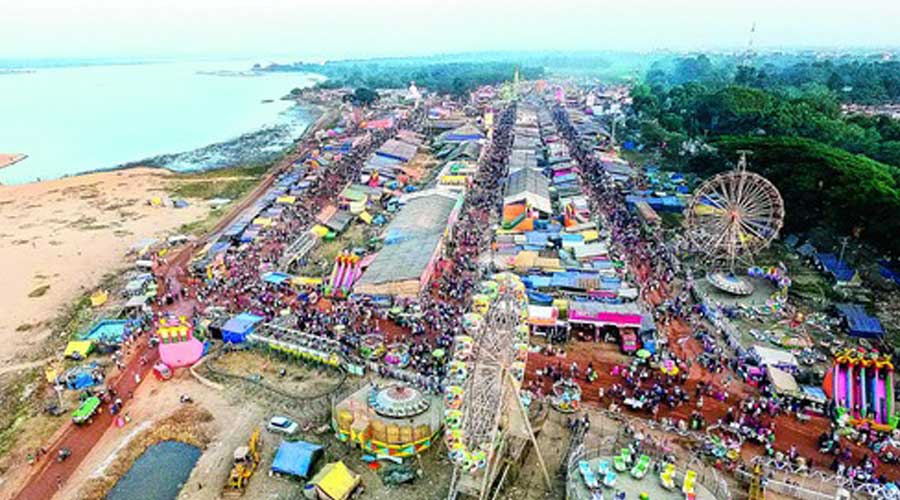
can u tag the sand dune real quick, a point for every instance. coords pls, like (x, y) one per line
(59, 238)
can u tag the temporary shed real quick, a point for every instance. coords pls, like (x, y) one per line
(413, 241)
(839, 269)
(236, 329)
(590, 251)
(542, 315)
(276, 278)
(78, 349)
(397, 150)
(529, 186)
(467, 132)
(335, 482)
(766, 356)
(858, 322)
(296, 458)
(626, 315)
(783, 382)
(136, 302)
(339, 221)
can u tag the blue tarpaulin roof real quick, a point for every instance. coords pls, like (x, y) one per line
(276, 278)
(237, 328)
(837, 268)
(859, 322)
(887, 272)
(218, 248)
(658, 203)
(539, 238)
(537, 281)
(296, 458)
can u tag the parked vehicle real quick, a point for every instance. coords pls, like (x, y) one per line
(87, 410)
(282, 425)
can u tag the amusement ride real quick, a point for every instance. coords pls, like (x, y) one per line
(732, 217)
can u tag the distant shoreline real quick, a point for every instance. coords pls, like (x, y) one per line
(8, 160)
(251, 148)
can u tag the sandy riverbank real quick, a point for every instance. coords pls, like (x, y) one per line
(58, 239)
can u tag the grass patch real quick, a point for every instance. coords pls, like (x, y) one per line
(15, 408)
(24, 327)
(222, 188)
(39, 291)
(203, 225)
(241, 171)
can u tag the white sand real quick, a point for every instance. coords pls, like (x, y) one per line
(68, 233)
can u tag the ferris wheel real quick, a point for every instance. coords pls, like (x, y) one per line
(482, 401)
(733, 216)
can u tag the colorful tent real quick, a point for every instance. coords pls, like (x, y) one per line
(858, 321)
(99, 298)
(236, 329)
(335, 482)
(296, 458)
(78, 348)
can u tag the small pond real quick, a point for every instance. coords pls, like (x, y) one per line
(158, 474)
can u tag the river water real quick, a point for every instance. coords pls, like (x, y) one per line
(77, 119)
(158, 474)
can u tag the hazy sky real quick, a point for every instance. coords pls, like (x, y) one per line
(287, 29)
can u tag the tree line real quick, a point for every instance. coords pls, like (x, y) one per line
(834, 170)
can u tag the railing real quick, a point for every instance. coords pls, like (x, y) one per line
(816, 482)
(617, 437)
(315, 407)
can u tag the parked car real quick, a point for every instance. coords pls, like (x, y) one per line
(282, 425)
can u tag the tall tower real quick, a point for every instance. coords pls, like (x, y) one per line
(516, 83)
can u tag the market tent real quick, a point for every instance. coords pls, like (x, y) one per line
(136, 302)
(467, 132)
(858, 322)
(783, 382)
(237, 328)
(78, 348)
(626, 315)
(525, 260)
(335, 482)
(99, 298)
(296, 458)
(276, 278)
(529, 186)
(542, 315)
(837, 268)
(767, 356)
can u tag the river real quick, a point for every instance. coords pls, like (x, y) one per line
(76, 119)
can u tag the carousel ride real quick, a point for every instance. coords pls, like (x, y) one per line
(732, 217)
(484, 411)
(394, 420)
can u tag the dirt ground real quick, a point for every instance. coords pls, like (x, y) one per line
(235, 417)
(232, 425)
(298, 379)
(64, 235)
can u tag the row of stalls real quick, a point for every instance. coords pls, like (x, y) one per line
(550, 238)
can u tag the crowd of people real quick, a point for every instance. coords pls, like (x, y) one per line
(427, 323)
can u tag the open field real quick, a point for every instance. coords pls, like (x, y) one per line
(61, 237)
